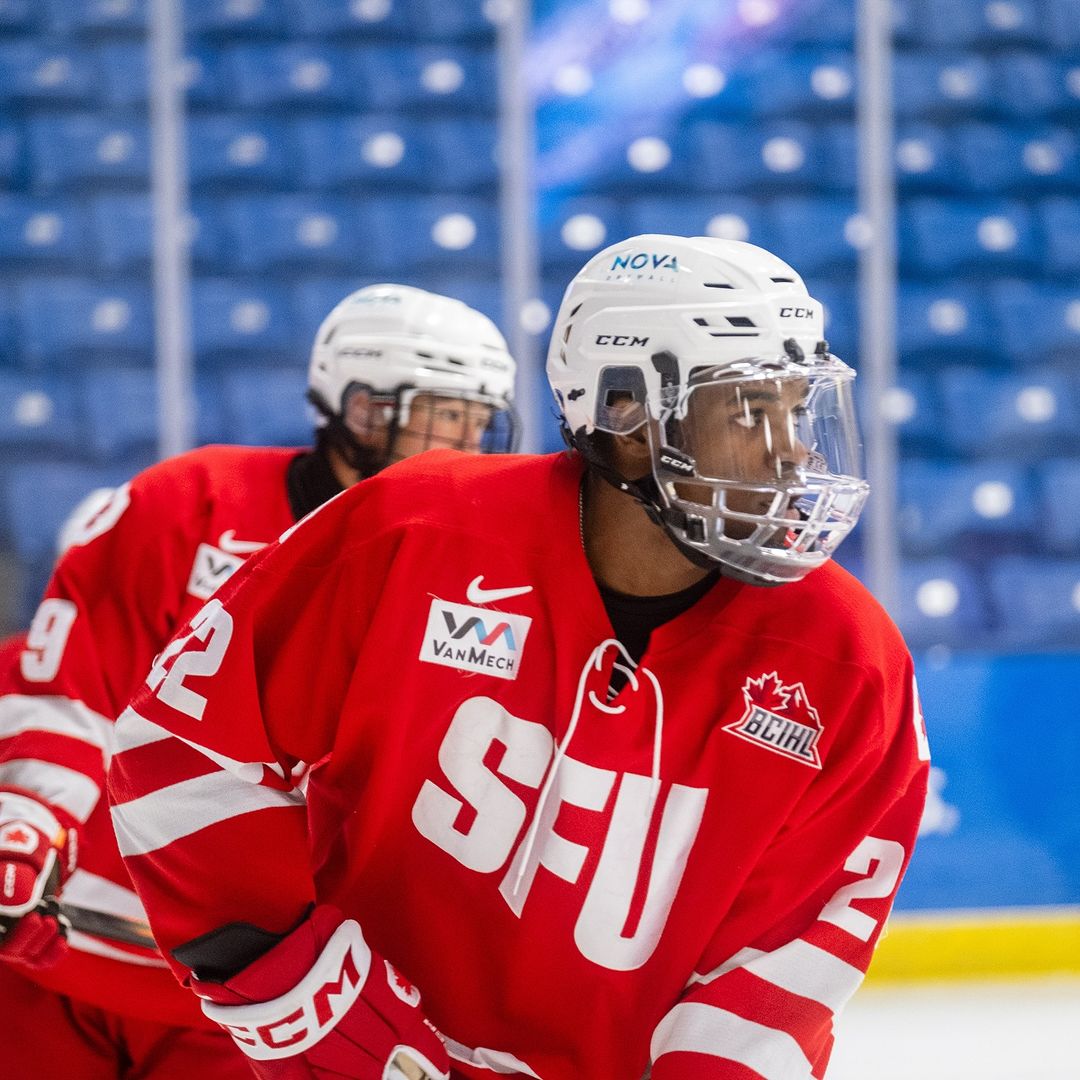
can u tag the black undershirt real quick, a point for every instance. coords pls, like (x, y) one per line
(309, 482)
(634, 618)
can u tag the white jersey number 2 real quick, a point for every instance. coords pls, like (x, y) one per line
(212, 625)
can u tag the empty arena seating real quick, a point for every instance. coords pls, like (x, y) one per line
(340, 143)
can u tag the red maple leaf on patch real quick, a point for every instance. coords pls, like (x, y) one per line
(17, 835)
(768, 693)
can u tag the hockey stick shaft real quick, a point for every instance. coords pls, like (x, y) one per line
(113, 927)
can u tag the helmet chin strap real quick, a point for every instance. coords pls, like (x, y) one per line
(646, 492)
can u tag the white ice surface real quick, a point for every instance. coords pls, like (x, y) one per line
(1015, 1030)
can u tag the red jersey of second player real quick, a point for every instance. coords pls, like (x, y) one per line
(138, 568)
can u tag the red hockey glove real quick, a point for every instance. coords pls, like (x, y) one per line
(322, 1004)
(37, 854)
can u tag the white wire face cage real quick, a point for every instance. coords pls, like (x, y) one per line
(758, 463)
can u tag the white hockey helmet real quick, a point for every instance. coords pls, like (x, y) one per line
(395, 342)
(717, 347)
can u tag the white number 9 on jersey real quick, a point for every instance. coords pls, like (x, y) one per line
(212, 625)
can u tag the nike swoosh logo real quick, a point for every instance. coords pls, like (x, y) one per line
(228, 542)
(476, 595)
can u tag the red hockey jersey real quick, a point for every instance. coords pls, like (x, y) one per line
(139, 568)
(402, 709)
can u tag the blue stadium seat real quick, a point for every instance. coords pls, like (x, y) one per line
(1059, 485)
(1037, 322)
(228, 18)
(39, 412)
(989, 158)
(978, 236)
(68, 320)
(233, 319)
(11, 154)
(69, 151)
(1063, 21)
(228, 149)
(1060, 220)
(19, 16)
(912, 406)
(926, 158)
(126, 77)
(732, 157)
(817, 22)
(350, 18)
(998, 25)
(973, 504)
(277, 232)
(425, 77)
(463, 154)
(731, 217)
(35, 72)
(266, 406)
(950, 321)
(97, 16)
(121, 410)
(38, 496)
(1028, 85)
(482, 293)
(463, 20)
(814, 234)
(41, 232)
(9, 329)
(435, 234)
(838, 297)
(784, 84)
(941, 601)
(1037, 601)
(839, 158)
(368, 151)
(939, 84)
(1032, 414)
(282, 76)
(122, 226)
(572, 230)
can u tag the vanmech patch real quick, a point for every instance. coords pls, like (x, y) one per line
(475, 639)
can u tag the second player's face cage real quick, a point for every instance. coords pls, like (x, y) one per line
(758, 463)
(415, 419)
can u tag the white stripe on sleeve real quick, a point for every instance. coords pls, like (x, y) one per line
(86, 943)
(804, 969)
(72, 791)
(87, 890)
(133, 730)
(153, 821)
(57, 716)
(694, 1027)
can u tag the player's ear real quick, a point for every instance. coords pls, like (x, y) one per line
(632, 457)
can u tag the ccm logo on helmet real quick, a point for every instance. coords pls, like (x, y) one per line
(796, 313)
(620, 339)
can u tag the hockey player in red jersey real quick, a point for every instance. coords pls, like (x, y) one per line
(394, 370)
(599, 748)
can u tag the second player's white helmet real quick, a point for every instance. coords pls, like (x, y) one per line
(717, 348)
(395, 342)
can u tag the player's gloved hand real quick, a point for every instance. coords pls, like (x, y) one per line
(37, 855)
(322, 1004)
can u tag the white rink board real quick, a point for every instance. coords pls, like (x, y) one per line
(1022, 1029)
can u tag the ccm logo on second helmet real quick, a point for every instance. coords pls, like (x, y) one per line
(621, 339)
(796, 313)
